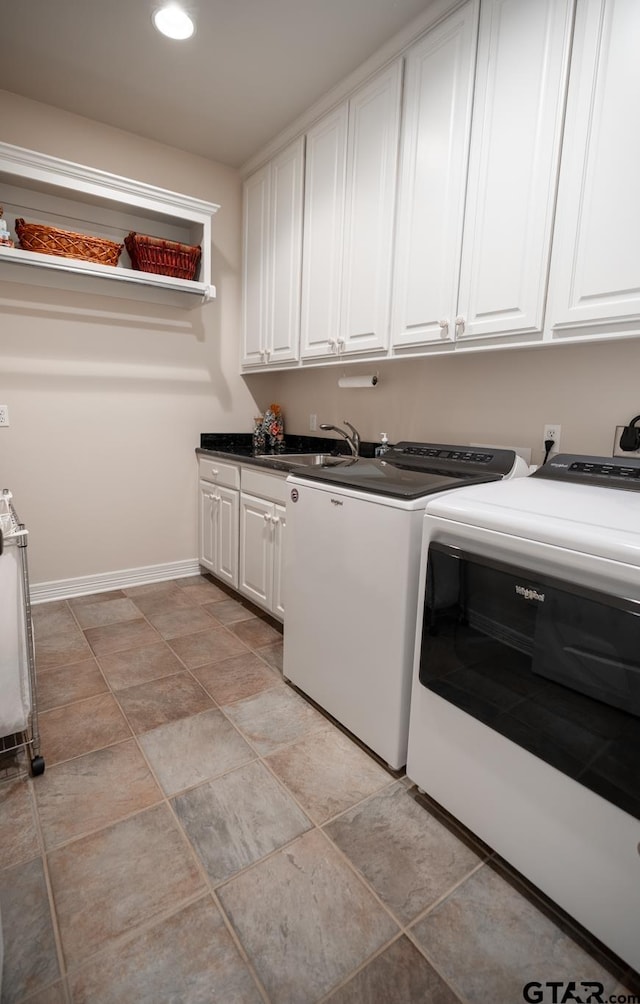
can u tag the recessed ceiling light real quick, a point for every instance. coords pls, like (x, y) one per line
(173, 22)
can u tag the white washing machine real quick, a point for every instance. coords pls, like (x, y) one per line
(525, 710)
(352, 557)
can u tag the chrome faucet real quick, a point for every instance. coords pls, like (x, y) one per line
(353, 440)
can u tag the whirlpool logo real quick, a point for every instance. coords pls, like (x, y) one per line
(530, 594)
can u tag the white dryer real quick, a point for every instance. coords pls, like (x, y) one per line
(525, 709)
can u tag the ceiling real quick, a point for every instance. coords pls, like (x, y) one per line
(252, 67)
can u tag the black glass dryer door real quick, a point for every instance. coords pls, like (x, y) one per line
(554, 668)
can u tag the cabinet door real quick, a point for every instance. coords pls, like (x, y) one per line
(206, 525)
(285, 254)
(523, 51)
(227, 542)
(324, 204)
(595, 276)
(279, 536)
(256, 549)
(256, 200)
(372, 156)
(439, 75)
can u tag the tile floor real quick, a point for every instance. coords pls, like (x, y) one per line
(202, 833)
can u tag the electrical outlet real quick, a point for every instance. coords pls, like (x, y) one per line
(4, 414)
(313, 423)
(552, 431)
(617, 451)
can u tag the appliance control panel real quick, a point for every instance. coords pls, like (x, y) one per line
(606, 472)
(422, 455)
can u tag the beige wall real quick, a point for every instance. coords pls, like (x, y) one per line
(107, 398)
(500, 397)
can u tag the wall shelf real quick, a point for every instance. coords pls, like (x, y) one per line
(44, 189)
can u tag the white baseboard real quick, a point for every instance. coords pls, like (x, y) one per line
(43, 592)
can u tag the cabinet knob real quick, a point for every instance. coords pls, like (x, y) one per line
(267, 517)
(214, 471)
(333, 345)
(275, 519)
(444, 327)
(460, 322)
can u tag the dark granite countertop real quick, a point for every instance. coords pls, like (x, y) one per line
(239, 447)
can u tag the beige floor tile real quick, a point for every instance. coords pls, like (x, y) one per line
(81, 727)
(189, 958)
(52, 618)
(30, 957)
(203, 591)
(256, 633)
(66, 684)
(183, 621)
(408, 857)
(238, 818)
(192, 750)
(157, 702)
(228, 611)
(234, 679)
(18, 831)
(399, 975)
(108, 883)
(327, 773)
(118, 637)
(305, 919)
(60, 648)
(206, 647)
(139, 665)
(161, 601)
(273, 655)
(111, 611)
(274, 717)
(151, 589)
(93, 791)
(507, 943)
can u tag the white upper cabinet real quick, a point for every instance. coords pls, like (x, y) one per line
(519, 101)
(351, 178)
(595, 276)
(83, 200)
(472, 261)
(323, 233)
(272, 259)
(435, 144)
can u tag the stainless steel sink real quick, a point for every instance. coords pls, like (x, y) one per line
(312, 459)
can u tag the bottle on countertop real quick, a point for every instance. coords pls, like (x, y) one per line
(384, 445)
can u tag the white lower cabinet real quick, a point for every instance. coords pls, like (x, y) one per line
(595, 276)
(219, 531)
(262, 529)
(218, 510)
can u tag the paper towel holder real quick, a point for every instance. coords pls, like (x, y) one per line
(370, 380)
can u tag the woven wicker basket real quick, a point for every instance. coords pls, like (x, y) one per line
(152, 254)
(65, 244)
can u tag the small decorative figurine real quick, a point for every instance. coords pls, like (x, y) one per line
(5, 237)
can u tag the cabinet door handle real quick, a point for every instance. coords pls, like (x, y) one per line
(275, 519)
(267, 517)
(211, 497)
(214, 472)
(460, 325)
(340, 345)
(444, 327)
(267, 353)
(333, 345)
